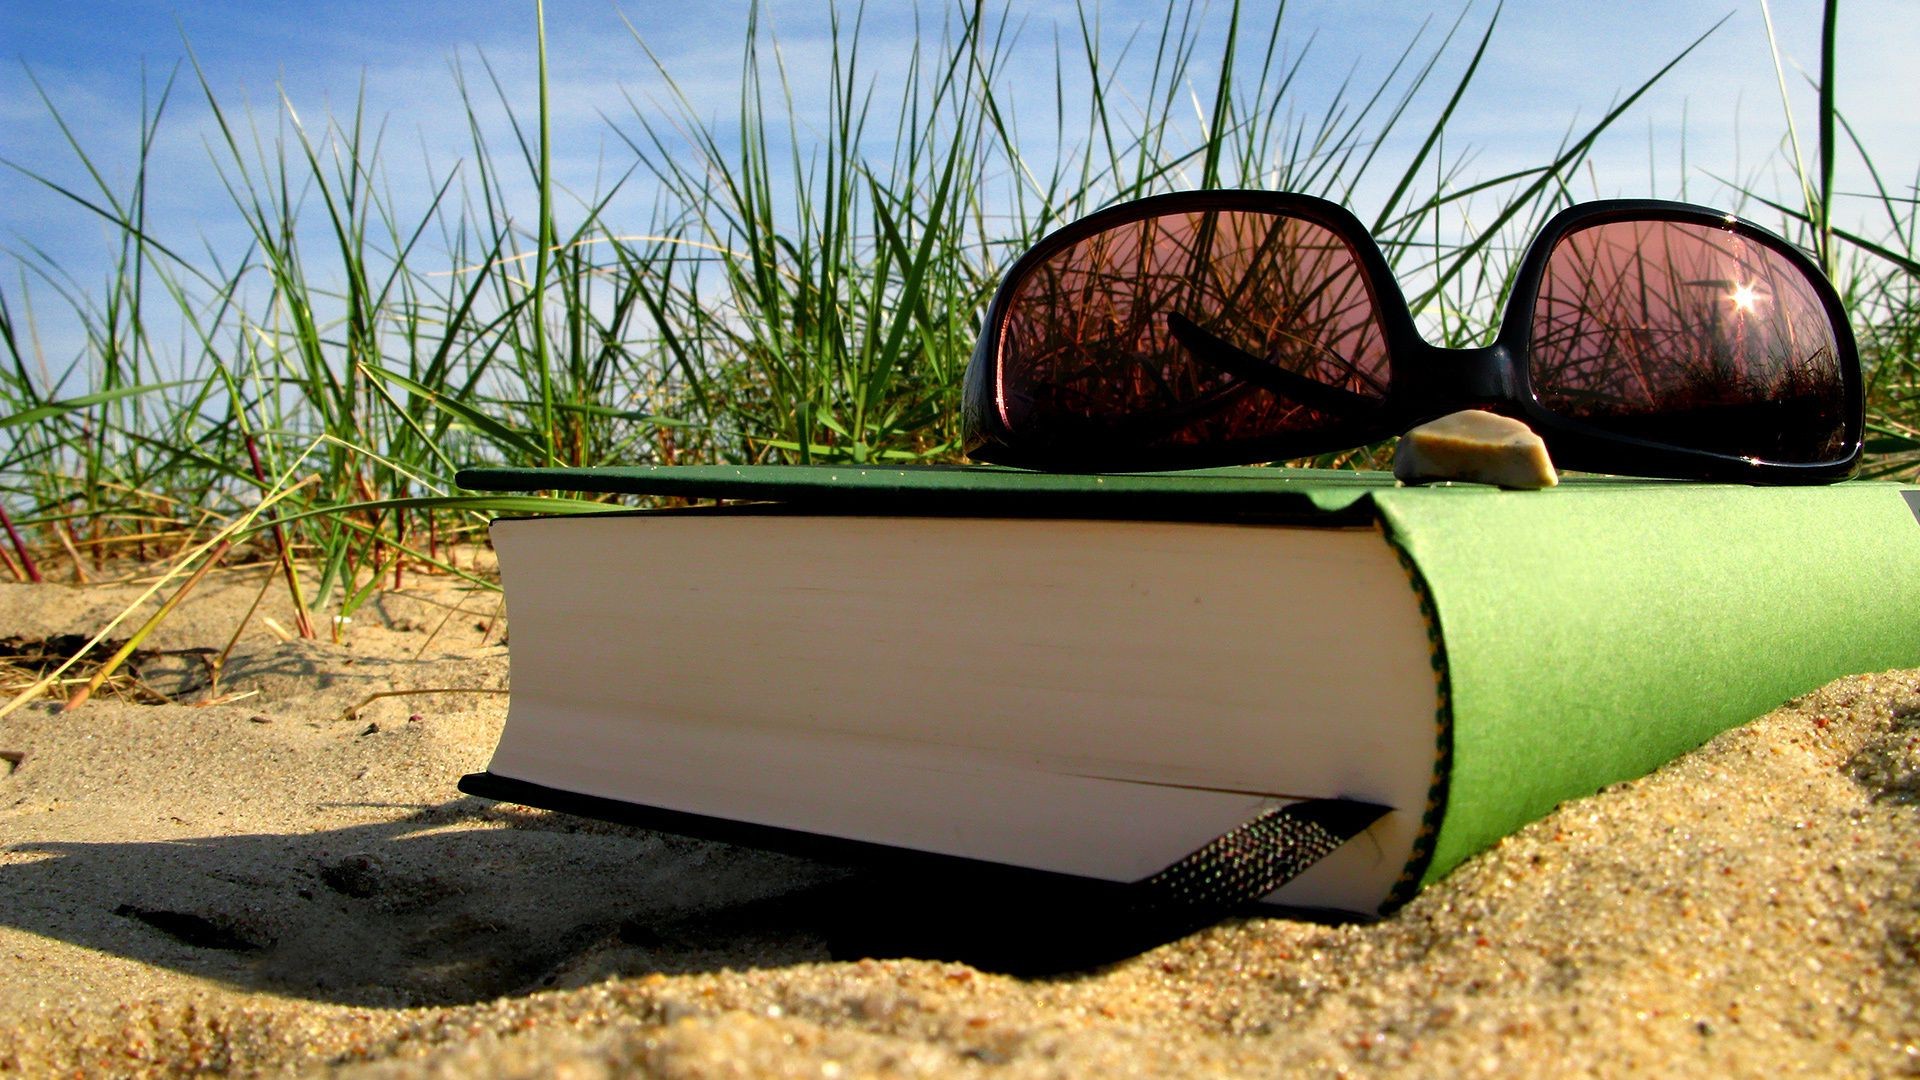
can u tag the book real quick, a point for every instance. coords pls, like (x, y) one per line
(1097, 676)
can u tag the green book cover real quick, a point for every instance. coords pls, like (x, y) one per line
(1590, 632)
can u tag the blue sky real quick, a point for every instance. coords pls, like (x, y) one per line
(1549, 66)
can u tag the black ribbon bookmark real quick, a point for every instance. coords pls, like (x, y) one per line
(1025, 924)
(1250, 862)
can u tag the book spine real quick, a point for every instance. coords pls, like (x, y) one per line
(1431, 815)
(1593, 636)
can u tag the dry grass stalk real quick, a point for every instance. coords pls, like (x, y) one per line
(119, 657)
(221, 540)
(23, 664)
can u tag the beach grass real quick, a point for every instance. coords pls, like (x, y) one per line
(794, 292)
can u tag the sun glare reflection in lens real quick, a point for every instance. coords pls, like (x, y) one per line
(1744, 298)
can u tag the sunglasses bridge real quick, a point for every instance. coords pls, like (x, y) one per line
(1442, 380)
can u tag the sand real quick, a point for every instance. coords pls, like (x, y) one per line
(282, 883)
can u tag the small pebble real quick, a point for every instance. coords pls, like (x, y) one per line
(1475, 446)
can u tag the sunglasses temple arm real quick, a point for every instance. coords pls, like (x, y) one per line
(1244, 365)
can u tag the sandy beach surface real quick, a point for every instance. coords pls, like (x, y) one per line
(286, 881)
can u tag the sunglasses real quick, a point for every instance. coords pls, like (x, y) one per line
(1229, 327)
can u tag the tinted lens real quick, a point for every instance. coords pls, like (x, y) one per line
(1692, 336)
(1190, 330)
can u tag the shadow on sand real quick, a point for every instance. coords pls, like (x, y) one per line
(467, 900)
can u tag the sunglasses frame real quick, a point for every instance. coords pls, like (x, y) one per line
(1425, 381)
